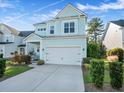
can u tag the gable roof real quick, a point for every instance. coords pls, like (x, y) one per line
(12, 30)
(75, 8)
(118, 22)
(1, 32)
(25, 33)
(33, 34)
(107, 26)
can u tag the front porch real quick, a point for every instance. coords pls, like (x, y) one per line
(34, 46)
(33, 49)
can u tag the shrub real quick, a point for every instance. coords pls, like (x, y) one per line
(92, 50)
(17, 59)
(26, 59)
(86, 60)
(1, 55)
(2, 66)
(116, 51)
(40, 62)
(116, 74)
(97, 73)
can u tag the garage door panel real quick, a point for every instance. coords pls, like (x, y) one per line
(64, 55)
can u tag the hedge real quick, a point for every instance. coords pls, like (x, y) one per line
(86, 60)
(40, 62)
(2, 66)
(1, 55)
(97, 73)
(116, 74)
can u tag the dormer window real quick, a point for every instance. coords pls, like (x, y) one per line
(51, 29)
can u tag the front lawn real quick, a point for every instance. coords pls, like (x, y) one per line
(14, 70)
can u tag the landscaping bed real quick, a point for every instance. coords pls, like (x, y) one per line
(11, 71)
(89, 86)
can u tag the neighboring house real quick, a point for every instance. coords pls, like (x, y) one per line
(61, 40)
(10, 39)
(114, 36)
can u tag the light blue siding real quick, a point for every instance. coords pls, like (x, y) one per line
(59, 28)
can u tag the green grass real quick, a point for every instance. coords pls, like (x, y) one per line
(15, 70)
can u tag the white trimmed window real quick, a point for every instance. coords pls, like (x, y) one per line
(69, 27)
(51, 29)
(41, 29)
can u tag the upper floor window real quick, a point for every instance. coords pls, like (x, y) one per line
(72, 27)
(66, 27)
(38, 29)
(69, 27)
(44, 29)
(51, 29)
(41, 29)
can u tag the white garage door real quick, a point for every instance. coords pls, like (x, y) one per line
(64, 55)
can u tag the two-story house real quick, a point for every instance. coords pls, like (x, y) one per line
(61, 40)
(114, 36)
(11, 40)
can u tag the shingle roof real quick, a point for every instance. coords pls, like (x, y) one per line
(6, 42)
(13, 30)
(1, 32)
(119, 22)
(25, 33)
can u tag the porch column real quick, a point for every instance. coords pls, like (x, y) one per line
(26, 48)
(41, 50)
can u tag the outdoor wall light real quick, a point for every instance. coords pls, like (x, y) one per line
(83, 49)
(43, 49)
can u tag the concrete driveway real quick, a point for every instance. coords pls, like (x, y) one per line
(49, 78)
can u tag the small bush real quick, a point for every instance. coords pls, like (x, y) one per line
(97, 73)
(40, 62)
(26, 59)
(116, 74)
(86, 60)
(16, 59)
(1, 55)
(116, 51)
(9, 63)
(2, 66)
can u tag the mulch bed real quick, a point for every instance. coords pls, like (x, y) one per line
(89, 87)
(3, 78)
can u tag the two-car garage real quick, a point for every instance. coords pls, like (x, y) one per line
(64, 50)
(70, 55)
